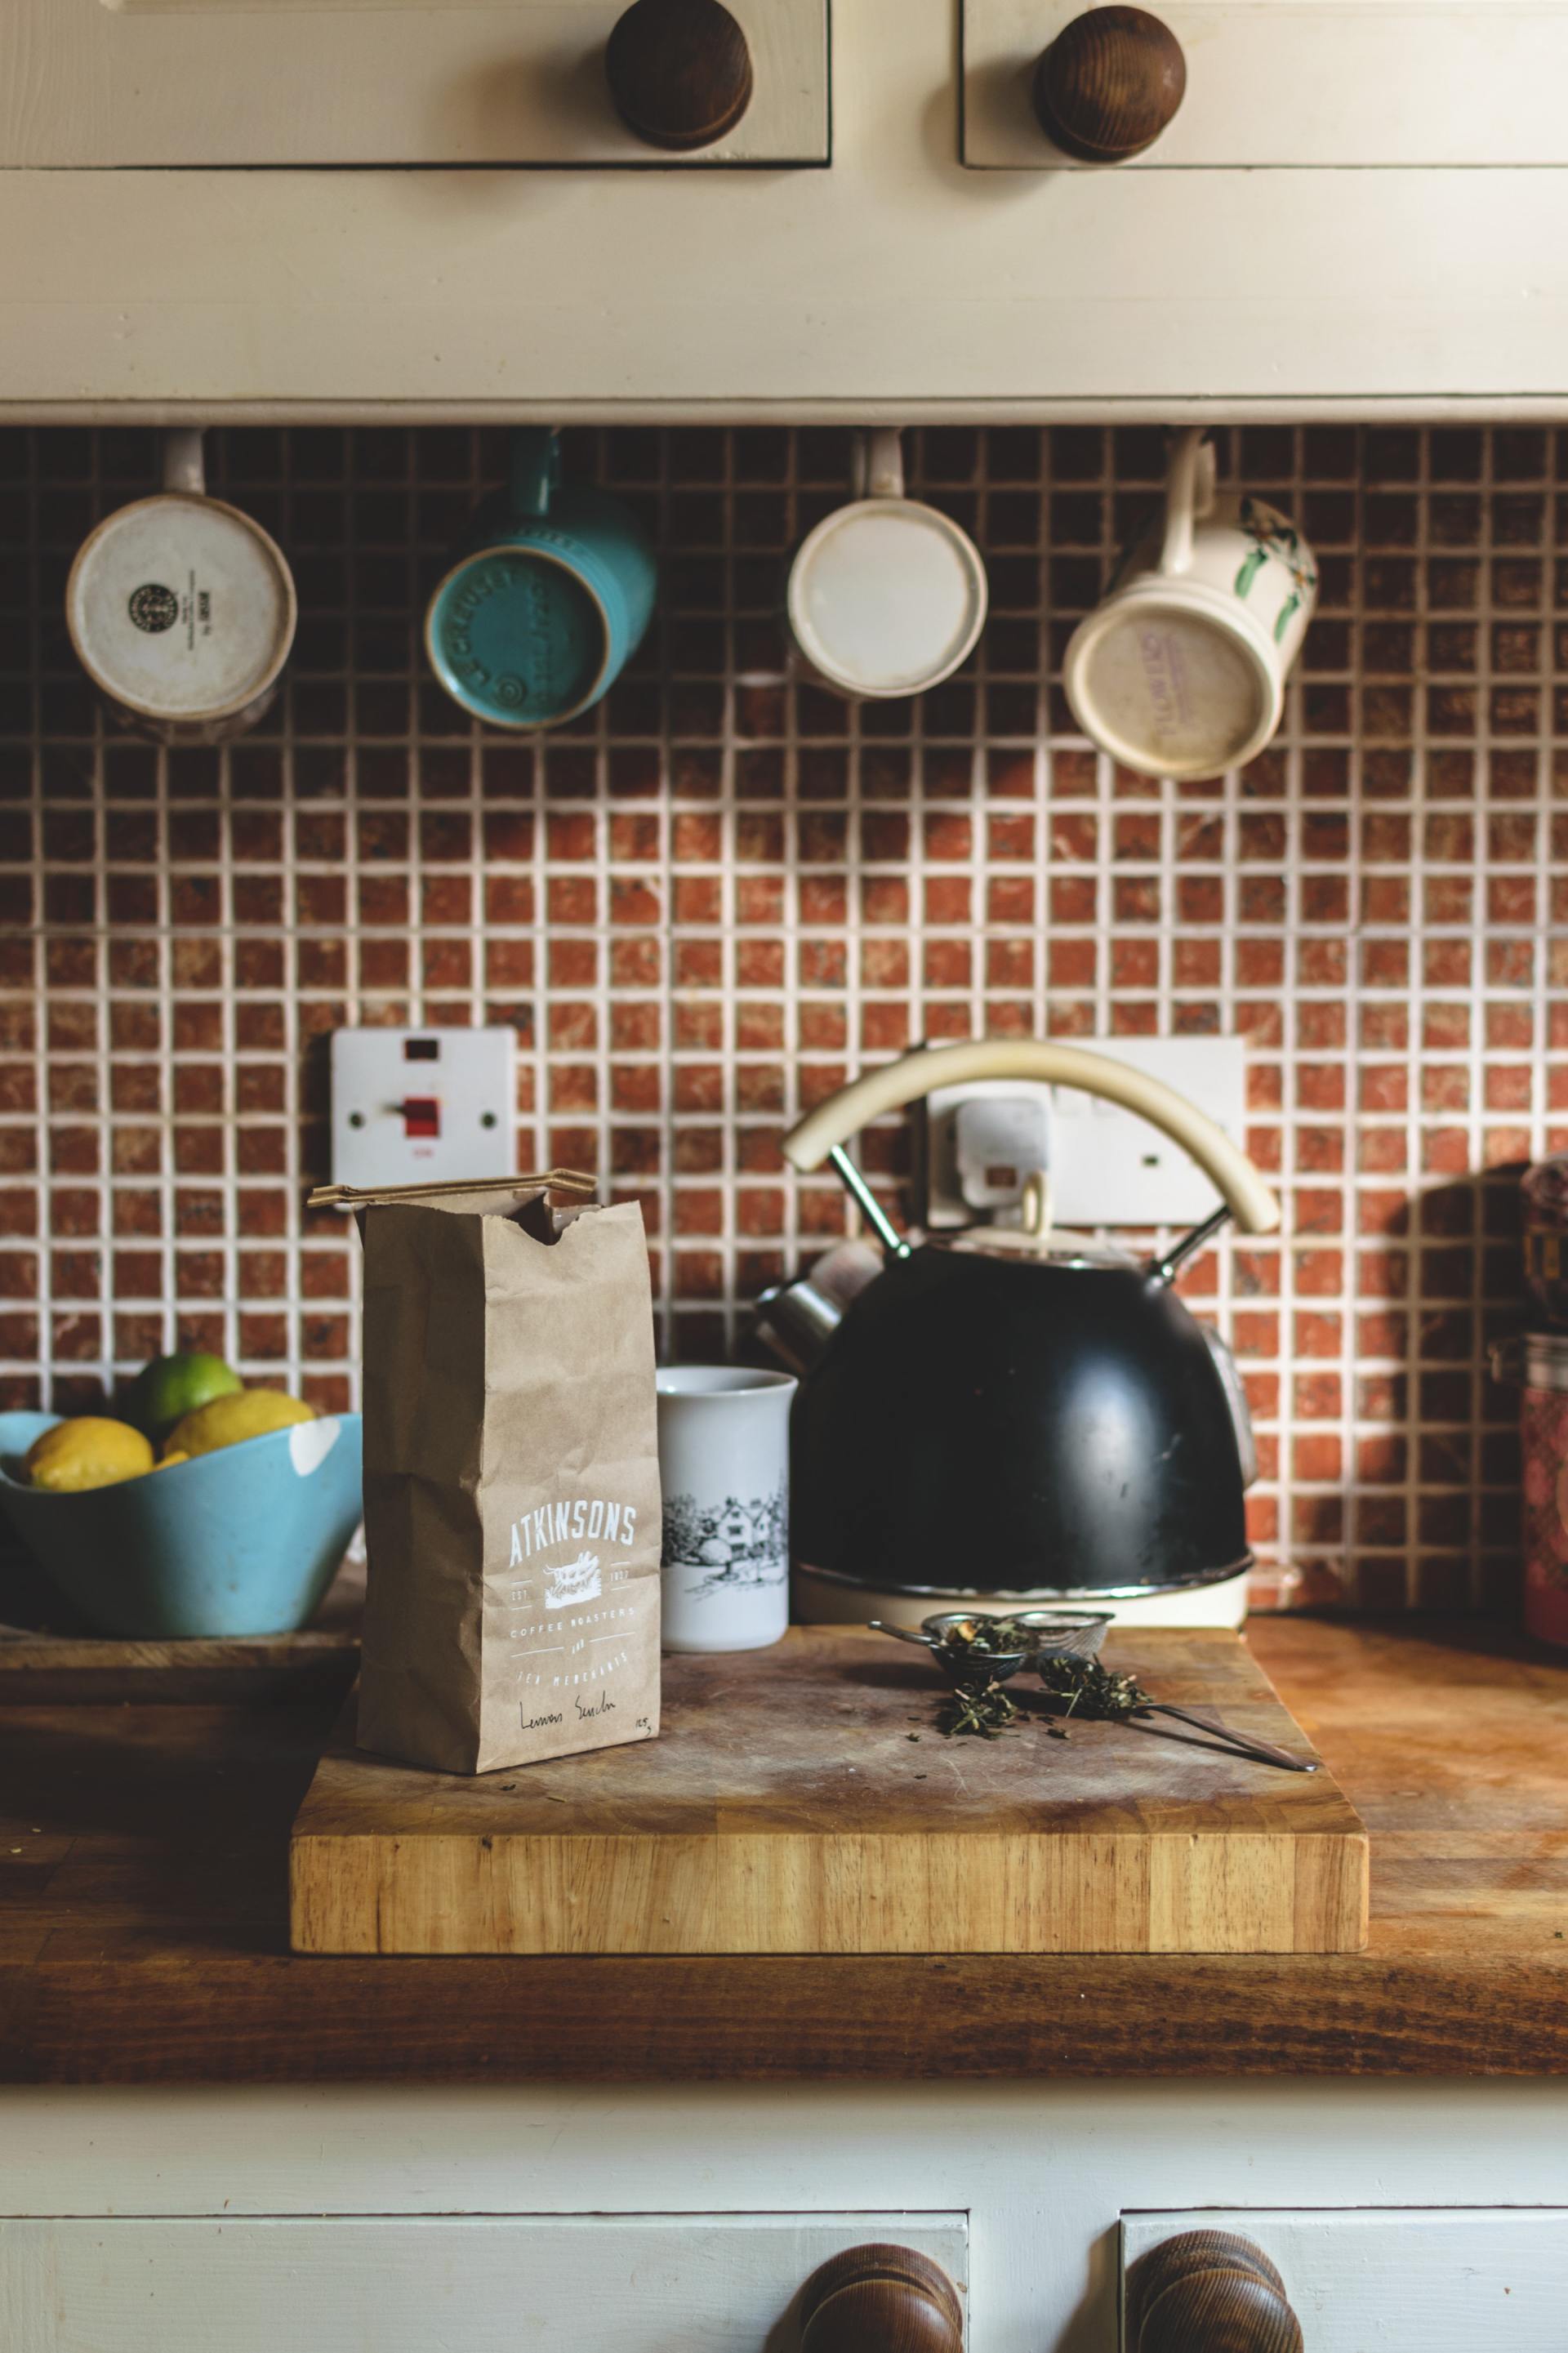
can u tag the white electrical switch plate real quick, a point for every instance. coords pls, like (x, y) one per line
(1111, 1168)
(422, 1106)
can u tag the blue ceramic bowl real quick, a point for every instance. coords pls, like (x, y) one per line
(242, 1542)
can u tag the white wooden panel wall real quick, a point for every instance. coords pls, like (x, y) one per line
(289, 83)
(895, 283)
(601, 2284)
(1476, 2280)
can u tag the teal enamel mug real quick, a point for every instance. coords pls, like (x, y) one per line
(548, 600)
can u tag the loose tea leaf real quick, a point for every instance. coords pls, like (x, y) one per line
(979, 1707)
(1092, 1691)
(987, 1637)
(987, 1713)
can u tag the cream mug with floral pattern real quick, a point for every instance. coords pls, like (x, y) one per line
(1180, 670)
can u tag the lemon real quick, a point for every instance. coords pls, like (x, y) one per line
(228, 1421)
(170, 1388)
(169, 1460)
(90, 1451)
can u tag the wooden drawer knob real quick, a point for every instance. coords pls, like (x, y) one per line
(1109, 85)
(679, 71)
(880, 2300)
(1209, 2292)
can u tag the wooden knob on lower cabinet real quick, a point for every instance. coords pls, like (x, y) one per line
(1209, 2292)
(679, 71)
(1109, 83)
(880, 2299)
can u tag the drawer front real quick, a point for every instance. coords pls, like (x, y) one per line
(1451, 2280)
(635, 2282)
(1297, 83)
(98, 83)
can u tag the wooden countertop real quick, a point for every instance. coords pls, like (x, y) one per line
(144, 1920)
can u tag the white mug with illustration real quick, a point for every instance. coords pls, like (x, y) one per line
(723, 1463)
(888, 596)
(1180, 670)
(182, 610)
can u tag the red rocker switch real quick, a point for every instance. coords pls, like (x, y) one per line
(421, 1115)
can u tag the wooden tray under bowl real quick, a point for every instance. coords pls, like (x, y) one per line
(43, 1669)
(801, 1800)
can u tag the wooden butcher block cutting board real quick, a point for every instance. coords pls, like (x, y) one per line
(801, 1799)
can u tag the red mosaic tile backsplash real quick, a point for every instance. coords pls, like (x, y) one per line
(711, 900)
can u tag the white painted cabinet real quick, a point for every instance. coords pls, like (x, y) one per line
(1252, 263)
(407, 2284)
(1403, 2217)
(94, 84)
(1463, 2280)
(1299, 85)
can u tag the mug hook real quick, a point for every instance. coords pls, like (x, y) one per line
(1189, 494)
(878, 462)
(184, 460)
(535, 469)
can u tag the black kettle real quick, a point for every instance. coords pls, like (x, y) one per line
(1013, 1412)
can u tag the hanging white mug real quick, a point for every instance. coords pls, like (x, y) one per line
(182, 610)
(887, 596)
(1181, 670)
(723, 1463)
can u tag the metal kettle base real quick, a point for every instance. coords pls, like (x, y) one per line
(820, 1599)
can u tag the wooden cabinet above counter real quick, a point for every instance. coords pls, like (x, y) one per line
(99, 85)
(319, 209)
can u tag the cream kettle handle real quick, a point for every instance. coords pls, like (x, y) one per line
(831, 1124)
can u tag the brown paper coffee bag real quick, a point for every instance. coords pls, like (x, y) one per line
(510, 1475)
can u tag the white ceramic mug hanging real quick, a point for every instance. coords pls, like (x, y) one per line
(182, 610)
(723, 1461)
(886, 596)
(1180, 670)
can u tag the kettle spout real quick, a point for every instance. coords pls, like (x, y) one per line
(799, 1319)
(797, 1323)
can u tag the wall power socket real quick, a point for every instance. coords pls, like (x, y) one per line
(977, 1146)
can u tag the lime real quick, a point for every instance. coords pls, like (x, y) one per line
(89, 1451)
(169, 1388)
(229, 1420)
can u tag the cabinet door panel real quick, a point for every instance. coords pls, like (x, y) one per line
(1299, 83)
(87, 85)
(1459, 2280)
(500, 2284)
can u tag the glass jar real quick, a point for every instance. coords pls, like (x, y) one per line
(1545, 1191)
(1538, 1362)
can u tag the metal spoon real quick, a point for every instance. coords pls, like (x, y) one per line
(904, 1633)
(1262, 1751)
